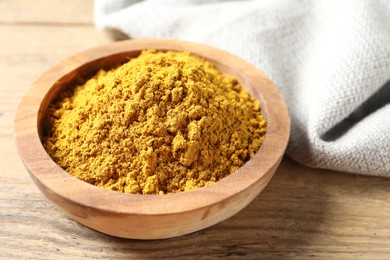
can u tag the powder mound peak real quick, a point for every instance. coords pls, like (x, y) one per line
(163, 122)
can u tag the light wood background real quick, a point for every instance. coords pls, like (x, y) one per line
(303, 213)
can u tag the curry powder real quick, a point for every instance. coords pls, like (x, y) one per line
(163, 122)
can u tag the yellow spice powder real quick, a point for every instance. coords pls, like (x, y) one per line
(163, 122)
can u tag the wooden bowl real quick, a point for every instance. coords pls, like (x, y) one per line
(148, 216)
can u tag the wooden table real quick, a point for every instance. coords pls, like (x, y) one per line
(302, 213)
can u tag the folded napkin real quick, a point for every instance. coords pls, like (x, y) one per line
(330, 59)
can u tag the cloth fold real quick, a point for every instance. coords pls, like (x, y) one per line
(330, 59)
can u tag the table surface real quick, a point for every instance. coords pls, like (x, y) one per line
(302, 213)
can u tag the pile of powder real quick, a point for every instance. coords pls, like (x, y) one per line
(163, 122)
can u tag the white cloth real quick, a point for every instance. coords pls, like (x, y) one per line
(330, 59)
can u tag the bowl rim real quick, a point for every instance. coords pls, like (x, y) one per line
(51, 178)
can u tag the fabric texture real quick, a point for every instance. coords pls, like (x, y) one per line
(330, 59)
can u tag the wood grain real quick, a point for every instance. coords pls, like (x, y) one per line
(69, 13)
(303, 213)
